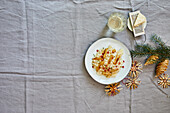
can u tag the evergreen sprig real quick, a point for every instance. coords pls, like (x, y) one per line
(160, 49)
(157, 40)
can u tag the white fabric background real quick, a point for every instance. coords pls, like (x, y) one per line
(42, 48)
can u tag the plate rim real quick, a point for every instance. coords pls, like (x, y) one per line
(90, 48)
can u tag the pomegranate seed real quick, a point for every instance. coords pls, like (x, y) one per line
(92, 66)
(119, 63)
(102, 53)
(122, 66)
(108, 52)
(97, 50)
(123, 61)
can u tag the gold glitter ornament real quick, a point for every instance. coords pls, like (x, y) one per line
(151, 60)
(161, 67)
(136, 68)
(133, 83)
(164, 80)
(113, 89)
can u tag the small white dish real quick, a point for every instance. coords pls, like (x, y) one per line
(105, 42)
(130, 26)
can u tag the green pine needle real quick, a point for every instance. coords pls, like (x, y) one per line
(161, 49)
(157, 40)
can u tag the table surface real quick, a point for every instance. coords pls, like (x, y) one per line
(42, 48)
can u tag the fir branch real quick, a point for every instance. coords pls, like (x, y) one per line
(157, 40)
(162, 51)
(141, 50)
(144, 48)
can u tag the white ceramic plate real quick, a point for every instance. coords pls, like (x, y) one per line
(105, 42)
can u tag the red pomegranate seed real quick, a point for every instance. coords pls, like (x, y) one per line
(119, 63)
(97, 50)
(108, 52)
(92, 66)
(102, 53)
(123, 61)
(122, 66)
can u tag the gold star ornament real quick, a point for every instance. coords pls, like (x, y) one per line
(113, 89)
(164, 81)
(136, 68)
(133, 83)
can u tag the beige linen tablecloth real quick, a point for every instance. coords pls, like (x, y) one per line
(42, 48)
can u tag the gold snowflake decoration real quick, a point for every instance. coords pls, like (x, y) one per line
(164, 81)
(133, 83)
(136, 68)
(113, 89)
